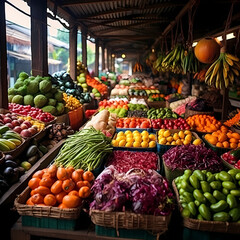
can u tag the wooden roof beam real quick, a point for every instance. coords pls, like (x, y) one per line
(174, 22)
(84, 2)
(127, 9)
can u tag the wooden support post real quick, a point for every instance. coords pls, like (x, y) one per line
(39, 46)
(97, 58)
(73, 51)
(103, 56)
(224, 105)
(108, 64)
(3, 58)
(113, 63)
(84, 46)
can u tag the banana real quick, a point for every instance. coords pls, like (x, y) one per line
(4, 147)
(235, 71)
(229, 61)
(232, 57)
(9, 135)
(16, 141)
(226, 80)
(216, 67)
(10, 144)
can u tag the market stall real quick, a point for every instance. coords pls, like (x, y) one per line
(134, 156)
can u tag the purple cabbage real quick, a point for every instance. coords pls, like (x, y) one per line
(144, 192)
(192, 157)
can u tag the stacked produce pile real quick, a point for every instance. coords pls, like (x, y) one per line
(118, 106)
(134, 139)
(38, 92)
(137, 107)
(25, 126)
(95, 83)
(133, 122)
(232, 157)
(66, 84)
(179, 123)
(59, 187)
(208, 196)
(33, 112)
(162, 113)
(115, 191)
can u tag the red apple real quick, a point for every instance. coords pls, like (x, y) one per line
(27, 123)
(17, 129)
(32, 130)
(20, 120)
(7, 120)
(15, 123)
(26, 133)
(23, 126)
(9, 125)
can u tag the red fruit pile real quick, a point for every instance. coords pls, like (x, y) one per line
(179, 123)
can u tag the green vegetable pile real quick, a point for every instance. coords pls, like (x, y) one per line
(132, 107)
(84, 150)
(208, 196)
(37, 92)
(162, 113)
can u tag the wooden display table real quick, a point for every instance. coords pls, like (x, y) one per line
(19, 232)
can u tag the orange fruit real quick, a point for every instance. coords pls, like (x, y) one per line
(71, 201)
(236, 135)
(225, 144)
(233, 145)
(233, 140)
(50, 200)
(222, 137)
(37, 198)
(219, 144)
(34, 183)
(213, 140)
(59, 196)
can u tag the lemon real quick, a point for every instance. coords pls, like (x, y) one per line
(185, 142)
(115, 143)
(152, 137)
(136, 135)
(168, 143)
(173, 143)
(129, 136)
(138, 139)
(144, 133)
(189, 137)
(129, 140)
(122, 143)
(186, 132)
(136, 144)
(167, 133)
(145, 138)
(152, 144)
(162, 141)
(175, 136)
(135, 131)
(128, 132)
(179, 142)
(129, 144)
(121, 133)
(197, 141)
(119, 138)
(161, 131)
(144, 144)
(181, 134)
(169, 139)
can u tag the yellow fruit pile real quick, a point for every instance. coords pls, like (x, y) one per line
(134, 139)
(165, 137)
(40, 126)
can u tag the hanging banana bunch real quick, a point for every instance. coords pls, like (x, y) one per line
(172, 62)
(222, 72)
(190, 63)
(138, 67)
(157, 65)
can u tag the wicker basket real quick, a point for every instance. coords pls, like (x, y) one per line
(128, 220)
(226, 164)
(43, 211)
(209, 226)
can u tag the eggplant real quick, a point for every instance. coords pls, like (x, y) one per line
(3, 186)
(8, 173)
(66, 77)
(15, 176)
(10, 163)
(68, 85)
(62, 88)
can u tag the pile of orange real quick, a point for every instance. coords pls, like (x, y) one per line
(224, 138)
(203, 123)
(59, 187)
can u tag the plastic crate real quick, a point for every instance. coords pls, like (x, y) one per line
(124, 233)
(45, 222)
